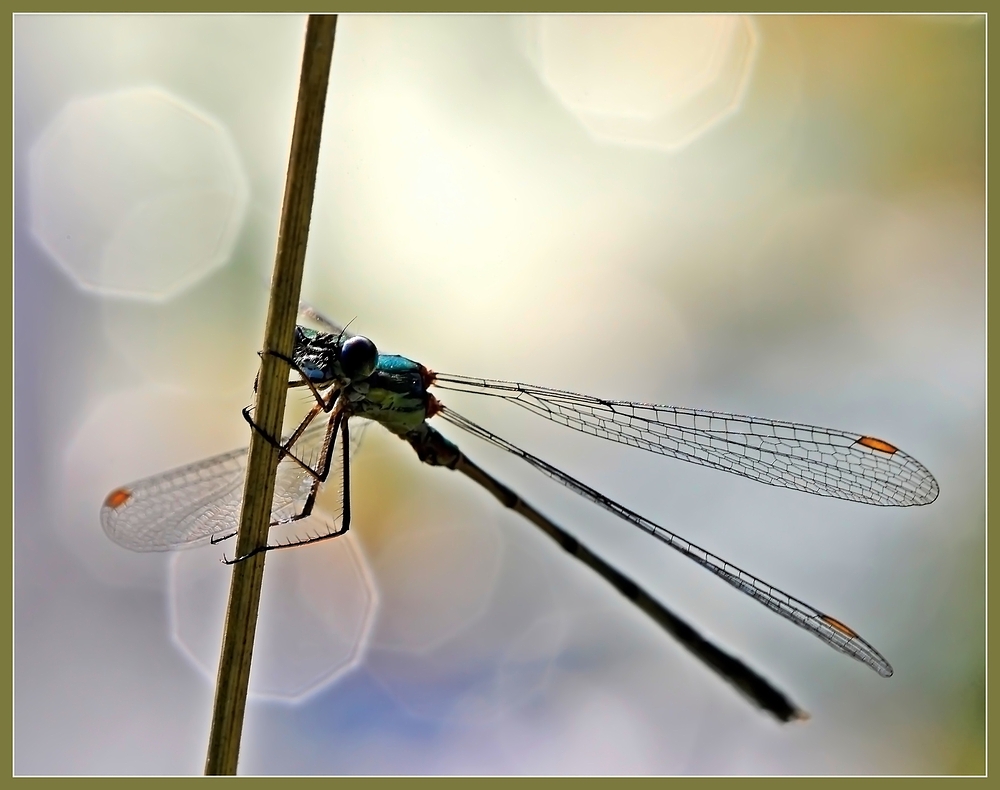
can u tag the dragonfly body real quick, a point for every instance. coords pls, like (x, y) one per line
(349, 379)
(394, 395)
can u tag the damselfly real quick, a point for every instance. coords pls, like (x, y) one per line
(350, 379)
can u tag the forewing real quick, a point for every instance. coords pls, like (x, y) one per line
(821, 461)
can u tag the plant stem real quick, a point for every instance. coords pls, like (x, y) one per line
(262, 463)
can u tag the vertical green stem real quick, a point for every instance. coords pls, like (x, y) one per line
(244, 592)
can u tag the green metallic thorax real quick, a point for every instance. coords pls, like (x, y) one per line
(395, 395)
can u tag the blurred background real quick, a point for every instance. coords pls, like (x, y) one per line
(781, 216)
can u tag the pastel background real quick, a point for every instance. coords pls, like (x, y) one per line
(782, 216)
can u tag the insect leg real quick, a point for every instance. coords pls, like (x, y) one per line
(304, 380)
(341, 429)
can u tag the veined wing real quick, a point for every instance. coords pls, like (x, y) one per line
(791, 455)
(191, 504)
(309, 313)
(828, 629)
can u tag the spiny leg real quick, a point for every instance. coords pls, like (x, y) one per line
(322, 403)
(341, 430)
(345, 440)
(319, 475)
(285, 450)
(304, 380)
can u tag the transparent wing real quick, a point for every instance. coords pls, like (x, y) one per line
(828, 629)
(791, 455)
(194, 503)
(310, 313)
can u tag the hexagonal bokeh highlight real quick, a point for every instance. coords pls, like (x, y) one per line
(120, 437)
(435, 582)
(161, 341)
(317, 608)
(494, 663)
(650, 80)
(136, 193)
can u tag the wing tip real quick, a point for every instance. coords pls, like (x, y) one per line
(933, 491)
(836, 625)
(877, 444)
(117, 498)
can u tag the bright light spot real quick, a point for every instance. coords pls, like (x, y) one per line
(136, 193)
(121, 437)
(435, 582)
(657, 81)
(495, 663)
(316, 612)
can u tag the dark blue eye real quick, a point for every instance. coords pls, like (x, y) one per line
(358, 356)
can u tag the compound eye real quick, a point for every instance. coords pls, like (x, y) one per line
(358, 356)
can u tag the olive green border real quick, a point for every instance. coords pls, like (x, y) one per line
(992, 78)
(412, 6)
(7, 341)
(497, 6)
